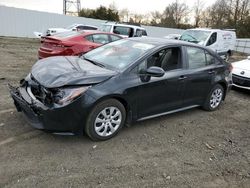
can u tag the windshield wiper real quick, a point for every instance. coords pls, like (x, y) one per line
(94, 62)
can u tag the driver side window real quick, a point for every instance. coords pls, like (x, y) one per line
(168, 59)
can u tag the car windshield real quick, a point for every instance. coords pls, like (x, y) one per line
(195, 36)
(105, 28)
(119, 54)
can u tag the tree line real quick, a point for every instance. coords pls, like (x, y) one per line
(223, 14)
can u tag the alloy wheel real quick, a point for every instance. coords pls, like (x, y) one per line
(108, 121)
(216, 98)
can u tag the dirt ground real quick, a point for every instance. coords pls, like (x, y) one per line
(187, 149)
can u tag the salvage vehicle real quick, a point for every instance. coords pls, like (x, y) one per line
(128, 80)
(221, 41)
(74, 43)
(241, 74)
(124, 30)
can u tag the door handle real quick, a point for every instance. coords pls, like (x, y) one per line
(211, 72)
(182, 78)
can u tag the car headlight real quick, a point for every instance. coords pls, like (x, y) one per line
(66, 95)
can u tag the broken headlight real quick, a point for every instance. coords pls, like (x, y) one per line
(66, 95)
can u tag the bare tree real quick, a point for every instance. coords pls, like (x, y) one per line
(124, 15)
(155, 18)
(175, 14)
(198, 8)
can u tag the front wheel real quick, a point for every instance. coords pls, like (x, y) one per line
(105, 120)
(214, 98)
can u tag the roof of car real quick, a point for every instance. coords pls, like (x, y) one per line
(86, 32)
(125, 25)
(77, 24)
(160, 41)
(210, 29)
(163, 41)
(71, 34)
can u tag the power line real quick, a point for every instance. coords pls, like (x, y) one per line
(71, 7)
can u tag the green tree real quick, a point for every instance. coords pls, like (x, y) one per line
(100, 13)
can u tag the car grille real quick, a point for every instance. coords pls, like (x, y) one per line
(41, 93)
(241, 81)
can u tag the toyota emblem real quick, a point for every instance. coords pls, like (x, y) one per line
(242, 72)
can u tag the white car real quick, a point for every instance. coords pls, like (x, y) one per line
(241, 73)
(74, 27)
(124, 30)
(173, 36)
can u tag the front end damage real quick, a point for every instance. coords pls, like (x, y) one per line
(52, 109)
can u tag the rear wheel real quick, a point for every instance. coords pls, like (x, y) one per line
(214, 98)
(105, 120)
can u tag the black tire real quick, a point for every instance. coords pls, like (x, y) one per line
(210, 103)
(96, 112)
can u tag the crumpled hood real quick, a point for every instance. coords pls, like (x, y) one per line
(61, 71)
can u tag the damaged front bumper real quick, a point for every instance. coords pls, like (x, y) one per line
(69, 118)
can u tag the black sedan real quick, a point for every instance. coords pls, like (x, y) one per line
(121, 82)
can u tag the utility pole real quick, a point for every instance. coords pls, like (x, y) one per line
(71, 7)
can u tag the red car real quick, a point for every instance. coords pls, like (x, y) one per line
(74, 43)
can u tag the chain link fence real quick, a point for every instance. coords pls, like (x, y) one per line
(243, 45)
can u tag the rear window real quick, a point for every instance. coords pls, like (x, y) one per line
(86, 28)
(105, 28)
(67, 34)
(114, 38)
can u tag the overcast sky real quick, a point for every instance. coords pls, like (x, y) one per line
(136, 6)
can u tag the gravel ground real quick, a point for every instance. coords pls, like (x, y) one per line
(187, 149)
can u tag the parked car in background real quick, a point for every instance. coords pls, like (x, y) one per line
(129, 80)
(73, 27)
(124, 30)
(173, 36)
(241, 74)
(221, 41)
(74, 43)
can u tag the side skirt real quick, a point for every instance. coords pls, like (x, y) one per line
(168, 112)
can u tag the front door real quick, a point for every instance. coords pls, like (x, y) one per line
(157, 95)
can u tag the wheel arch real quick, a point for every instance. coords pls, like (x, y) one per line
(224, 86)
(123, 101)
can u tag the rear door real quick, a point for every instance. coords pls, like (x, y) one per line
(200, 75)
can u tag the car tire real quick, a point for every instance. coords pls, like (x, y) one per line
(214, 98)
(105, 120)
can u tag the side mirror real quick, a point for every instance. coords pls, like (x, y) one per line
(155, 71)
